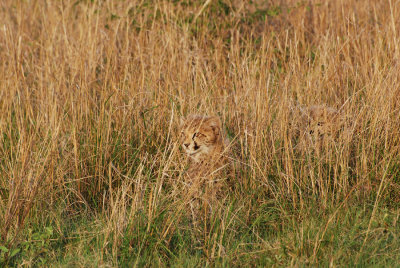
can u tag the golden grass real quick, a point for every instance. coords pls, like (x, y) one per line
(91, 93)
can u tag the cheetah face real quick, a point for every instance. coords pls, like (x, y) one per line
(200, 135)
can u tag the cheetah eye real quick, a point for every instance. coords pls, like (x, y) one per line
(197, 134)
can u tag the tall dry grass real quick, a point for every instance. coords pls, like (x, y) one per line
(92, 92)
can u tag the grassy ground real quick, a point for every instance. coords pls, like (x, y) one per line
(91, 94)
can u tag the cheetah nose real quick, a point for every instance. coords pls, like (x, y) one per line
(186, 144)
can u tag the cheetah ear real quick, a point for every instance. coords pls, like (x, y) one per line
(190, 118)
(181, 121)
(215, 124)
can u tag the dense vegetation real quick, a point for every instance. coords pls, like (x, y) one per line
(91, 94)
